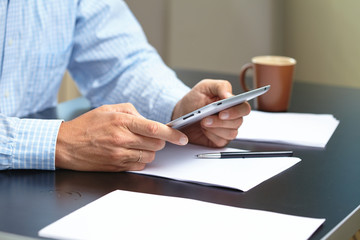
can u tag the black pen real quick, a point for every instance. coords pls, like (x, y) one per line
(246, 154)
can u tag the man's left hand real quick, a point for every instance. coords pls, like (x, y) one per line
(216, 130)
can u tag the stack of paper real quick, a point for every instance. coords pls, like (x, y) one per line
(129, 215)
(312, 130)
(180, 163)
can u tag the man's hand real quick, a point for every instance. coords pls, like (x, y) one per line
(216, 130)
(112, 138)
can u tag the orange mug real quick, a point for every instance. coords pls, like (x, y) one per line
(276, 71)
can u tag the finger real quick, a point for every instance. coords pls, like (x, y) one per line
(216, 122)
(137, 141)
(136, 166)
(157, 130)
(114, 166)
(216, 140)
(128, 166)
(224, 133)
(220, 88)
(130, 160)
(141, 156)
(139, 160)
(235, 112)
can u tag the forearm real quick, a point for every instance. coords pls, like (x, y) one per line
(112, 62)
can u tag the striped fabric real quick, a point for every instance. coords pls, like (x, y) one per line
(105, 50)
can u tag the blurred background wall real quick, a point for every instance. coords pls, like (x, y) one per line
(222, 35)
(324, 36)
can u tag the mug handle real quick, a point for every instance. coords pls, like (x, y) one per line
(243, 75)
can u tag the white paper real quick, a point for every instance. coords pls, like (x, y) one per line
(304, 129)
(129, 215)
(181, 163)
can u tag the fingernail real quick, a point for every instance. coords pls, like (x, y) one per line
(208, 121)
(224, 115)
(183, 141)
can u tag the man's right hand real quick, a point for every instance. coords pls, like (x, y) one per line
(112, 138)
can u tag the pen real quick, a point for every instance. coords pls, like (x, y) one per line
(246, 154)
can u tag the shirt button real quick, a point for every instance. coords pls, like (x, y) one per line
(10, 43)
(7, 94)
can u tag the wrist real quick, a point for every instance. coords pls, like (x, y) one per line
(61, 156)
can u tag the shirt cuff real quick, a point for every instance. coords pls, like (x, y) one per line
(35, 144)
(166, 103)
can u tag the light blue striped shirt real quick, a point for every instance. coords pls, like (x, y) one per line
(105, 50)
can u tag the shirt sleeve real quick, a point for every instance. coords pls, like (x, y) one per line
(112, 62)
(27, 143)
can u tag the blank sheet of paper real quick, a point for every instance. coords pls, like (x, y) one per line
(129, 215)
(180, 163)
(304, 129)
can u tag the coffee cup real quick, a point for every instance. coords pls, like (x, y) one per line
(276, 71)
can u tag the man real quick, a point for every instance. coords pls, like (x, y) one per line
(103, 47)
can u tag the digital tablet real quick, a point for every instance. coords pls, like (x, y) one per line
(216, 107)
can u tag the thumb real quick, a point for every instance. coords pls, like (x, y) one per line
(221, 89)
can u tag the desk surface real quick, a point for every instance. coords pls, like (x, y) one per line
(325, 184)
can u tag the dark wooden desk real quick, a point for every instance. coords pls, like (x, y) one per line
(325, 184)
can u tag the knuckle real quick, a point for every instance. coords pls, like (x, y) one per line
(125, 123)
(131, 122)
(152, 128)
(115, 155)
(233, 134)
(129, 105)
(204, 81)
(117, 139)
(116, 120)
(138, 167)
(220, 143)
(240, 122)
(130, 108)
(225, 83)
(105, 108)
